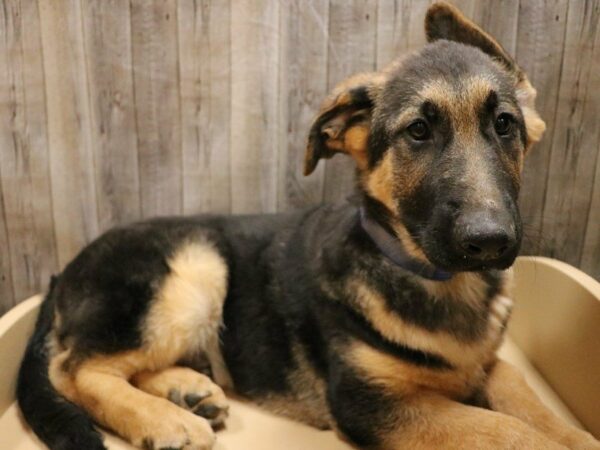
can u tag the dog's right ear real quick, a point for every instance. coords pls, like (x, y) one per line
(445, 21)
(344, 121)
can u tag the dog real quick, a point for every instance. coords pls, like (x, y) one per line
(379, 317)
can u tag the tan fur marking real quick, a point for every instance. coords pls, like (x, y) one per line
(183, 379)
(464, 286)
(433, 421)
(175, 383)
(409, 244)
(461, 105)
(60, 378)
(355, 143)
(459, 353)
(533, 122)
(508, 392)
(405, 379)
(379, 183)
(186, 315)
(104, 391)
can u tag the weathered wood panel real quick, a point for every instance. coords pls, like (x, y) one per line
(575, 138)
(24, 172)
(204, 71)
(69, 138)
(113, 110)
(7, 297)
(399, 28)
(156, 84)
(590, 258)
(540, 45)
(108, 60)
(254, 108)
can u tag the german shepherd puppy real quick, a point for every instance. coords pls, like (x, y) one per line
(379, 318)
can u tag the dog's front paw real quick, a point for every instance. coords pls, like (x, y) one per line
(176, 429)
(208, 403)
(186, 432)
(191, 390)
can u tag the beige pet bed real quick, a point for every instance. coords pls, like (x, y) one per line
(555, 328)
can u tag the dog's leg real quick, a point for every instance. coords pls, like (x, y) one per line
(375, 414)
(146, 421)
(188, 389)
(182, 320)
(508, 392)
(435, 422)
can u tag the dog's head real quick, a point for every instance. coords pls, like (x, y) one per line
(438, 140)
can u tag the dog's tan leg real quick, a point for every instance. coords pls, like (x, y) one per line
(435, 422)
(508, 392)
(188, 389)
(146, 421)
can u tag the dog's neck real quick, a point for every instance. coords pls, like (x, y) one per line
(393, 249)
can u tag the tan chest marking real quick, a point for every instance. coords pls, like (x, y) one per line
(459, 353)
(405, 379)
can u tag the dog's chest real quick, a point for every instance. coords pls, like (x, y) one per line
(462, 323)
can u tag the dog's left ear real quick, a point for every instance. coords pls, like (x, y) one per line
(344, 121)
(444, 21)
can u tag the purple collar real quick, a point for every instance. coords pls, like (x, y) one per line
(391, 247)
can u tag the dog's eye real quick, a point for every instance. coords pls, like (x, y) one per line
(503, 124)
(419, 130)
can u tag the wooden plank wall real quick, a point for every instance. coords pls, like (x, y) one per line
(114, 110)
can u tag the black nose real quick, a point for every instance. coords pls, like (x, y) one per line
(484, 238)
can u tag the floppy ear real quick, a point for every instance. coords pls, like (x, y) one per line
(344, 121)
(444, 21)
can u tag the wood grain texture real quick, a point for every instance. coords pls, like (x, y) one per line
(156, 84)
(7, 296)
(575, 139)
(540, 46)
(69, 137)
(24, 165)
(590, 257)
(399, 29)
(109, 65)
(254, 108)
(352, 49)
(590, 253)
(112, 110)
(303, 86)
(205, 78)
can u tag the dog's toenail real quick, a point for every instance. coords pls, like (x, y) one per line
(208, 411)
(174, 396)
(194, 399)
(147, 444)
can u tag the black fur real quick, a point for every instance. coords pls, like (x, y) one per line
(60, 424)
